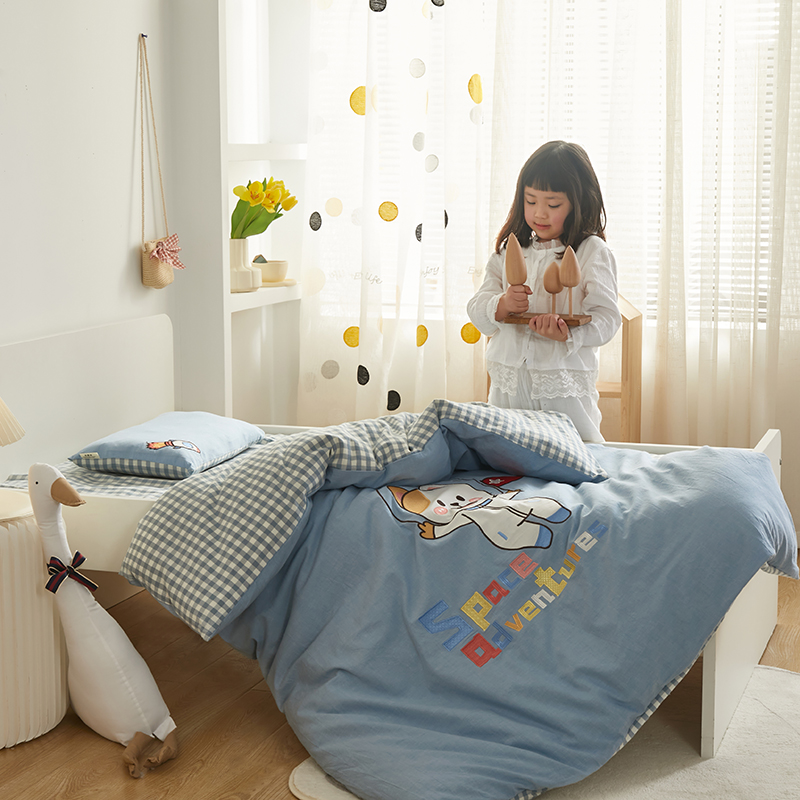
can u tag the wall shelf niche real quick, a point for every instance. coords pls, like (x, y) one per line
(236, 118)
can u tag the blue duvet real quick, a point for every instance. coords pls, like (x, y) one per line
(474, 619)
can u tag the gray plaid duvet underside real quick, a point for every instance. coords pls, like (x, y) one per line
(202, 546)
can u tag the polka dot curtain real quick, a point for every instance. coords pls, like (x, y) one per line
(397, 187)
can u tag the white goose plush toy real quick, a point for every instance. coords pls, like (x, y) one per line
(111, 687)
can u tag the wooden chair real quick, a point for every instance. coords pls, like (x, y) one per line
(628, 390)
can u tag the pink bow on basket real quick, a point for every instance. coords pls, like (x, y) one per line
(167, 250)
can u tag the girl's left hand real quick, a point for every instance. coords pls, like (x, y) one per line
(551, 326)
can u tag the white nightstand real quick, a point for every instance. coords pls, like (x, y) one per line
(33, 657)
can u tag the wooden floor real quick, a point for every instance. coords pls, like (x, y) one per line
(235, 744)
(783, 649)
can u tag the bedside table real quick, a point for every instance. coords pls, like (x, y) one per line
(33, 656)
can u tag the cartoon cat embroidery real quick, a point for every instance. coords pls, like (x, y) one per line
(175, 444)
(508, 522)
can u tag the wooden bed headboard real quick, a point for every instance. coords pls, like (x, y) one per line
(69, 389)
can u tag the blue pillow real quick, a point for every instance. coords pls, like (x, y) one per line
(173, 445)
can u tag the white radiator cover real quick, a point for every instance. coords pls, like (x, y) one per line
(33, 657)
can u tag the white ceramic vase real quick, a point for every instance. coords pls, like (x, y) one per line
(244, 278)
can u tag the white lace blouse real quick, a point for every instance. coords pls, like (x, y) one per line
(557, 369)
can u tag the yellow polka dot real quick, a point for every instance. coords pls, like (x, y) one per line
(351, 336)
(388, 211)
(333, 206)
(358, 100)
(422, 335)
(475, 88)
(470, 334)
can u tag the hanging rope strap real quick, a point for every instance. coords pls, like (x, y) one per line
(169, 248)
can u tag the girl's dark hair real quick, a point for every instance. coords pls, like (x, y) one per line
(559, 167)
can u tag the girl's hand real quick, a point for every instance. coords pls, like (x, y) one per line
(551, 326)
(514, 301)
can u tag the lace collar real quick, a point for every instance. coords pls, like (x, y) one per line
(550, 244)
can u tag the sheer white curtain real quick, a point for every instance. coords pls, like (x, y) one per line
(689, 112)
(397, 165)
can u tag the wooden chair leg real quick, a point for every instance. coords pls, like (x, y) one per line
(629, 389)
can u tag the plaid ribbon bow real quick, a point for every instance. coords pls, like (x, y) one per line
(60, 572)
(167, 250)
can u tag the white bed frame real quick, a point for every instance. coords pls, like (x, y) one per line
(70, 389)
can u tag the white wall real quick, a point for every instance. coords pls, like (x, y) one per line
(70, 211)
(70, 169)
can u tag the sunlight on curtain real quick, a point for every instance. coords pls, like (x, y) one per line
(741, 318)
(396, 183)
(689, 113)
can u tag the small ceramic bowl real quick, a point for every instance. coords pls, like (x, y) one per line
(272, 271)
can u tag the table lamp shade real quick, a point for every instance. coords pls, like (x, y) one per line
(10, 429)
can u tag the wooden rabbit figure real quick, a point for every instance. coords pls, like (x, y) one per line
(569, 273)
(555, 278)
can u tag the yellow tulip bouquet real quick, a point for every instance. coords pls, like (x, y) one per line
(260, 204)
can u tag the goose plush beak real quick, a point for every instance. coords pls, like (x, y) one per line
(63, 493)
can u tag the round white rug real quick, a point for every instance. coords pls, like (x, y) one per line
(309, 782)
(759, 758)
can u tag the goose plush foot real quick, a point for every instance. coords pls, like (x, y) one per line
(167, 751)
(136, 756)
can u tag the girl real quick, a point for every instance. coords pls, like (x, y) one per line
(548, 365)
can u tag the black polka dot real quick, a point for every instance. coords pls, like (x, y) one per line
(439, 3)
(363, 375)
(392, 400)
(377, 5)
(315, 221)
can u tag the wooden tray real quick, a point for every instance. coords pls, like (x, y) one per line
(573, 320)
